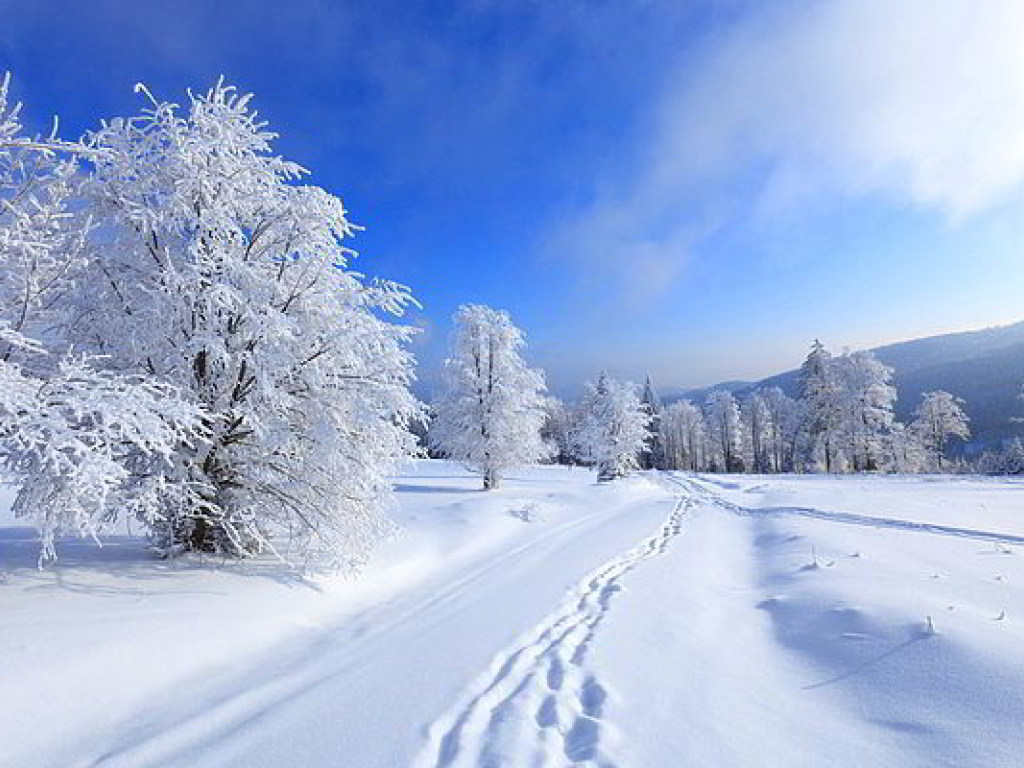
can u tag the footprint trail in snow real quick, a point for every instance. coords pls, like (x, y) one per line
(539, 704)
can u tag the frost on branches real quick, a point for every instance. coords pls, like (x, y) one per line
(491, 407)
(87, 444)
(81, 443)
(652, 456)
(867, 404)
(683, 436)
(939, 417)
(613, 427)
(725, 430)
(849, 421)
(206, 270)
(821, 391)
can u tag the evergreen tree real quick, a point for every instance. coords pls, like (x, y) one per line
(1013, 457)
(821, 393)
(652, 455)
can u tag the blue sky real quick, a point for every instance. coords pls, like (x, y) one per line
(690, 189)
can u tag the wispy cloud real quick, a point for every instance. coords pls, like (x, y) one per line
(917, 103)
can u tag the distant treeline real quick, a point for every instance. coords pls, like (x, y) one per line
(843, 420)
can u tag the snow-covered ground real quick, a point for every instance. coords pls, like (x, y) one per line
(657, 621)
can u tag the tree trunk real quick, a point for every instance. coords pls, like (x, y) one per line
(491, 480)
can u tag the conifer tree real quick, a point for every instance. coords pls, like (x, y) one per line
(652, 455)
(821, 392)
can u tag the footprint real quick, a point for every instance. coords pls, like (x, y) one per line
(582, 739)
(604, 599)
(556, 674)
(504, 708)
(592, 698)
(547, 714)
(580, 652)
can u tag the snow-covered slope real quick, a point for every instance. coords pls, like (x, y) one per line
(803, 632)
(984, 367)
(658, 621)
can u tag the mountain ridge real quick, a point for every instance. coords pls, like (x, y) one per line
(985, 367)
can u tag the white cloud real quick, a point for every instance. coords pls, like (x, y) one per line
(919, 102)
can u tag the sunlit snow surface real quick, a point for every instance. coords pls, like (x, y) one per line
(657, 621)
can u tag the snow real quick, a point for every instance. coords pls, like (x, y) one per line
(783, 662)
(661, 620)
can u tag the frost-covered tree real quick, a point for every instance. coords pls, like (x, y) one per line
(211, 270)
(905, 451)
(757, 433)
(613, 427)
(86, 446)
(725, 431)
(1013, 458)
(652, 455)
(939, 417)
(41, 233)
(83, 445)
(821, 393)
(683, 437)
(784, 423)
(867, 398)
(1009, 460)
(558, 430)
(492, 406)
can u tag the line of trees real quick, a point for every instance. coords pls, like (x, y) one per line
(842, 421)
(1007, 459)
(492, 414)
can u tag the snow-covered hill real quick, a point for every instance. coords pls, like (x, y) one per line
(984, 367)
(657, 621)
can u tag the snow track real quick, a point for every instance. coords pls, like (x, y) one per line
(709, 496)
(293, 672)
(585, 632)
(539, 704)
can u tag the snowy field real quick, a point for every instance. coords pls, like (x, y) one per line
(663, 620)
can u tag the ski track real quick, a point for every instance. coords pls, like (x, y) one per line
(539, 693)
(710, 496)
(537, 699)
(298, 672)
